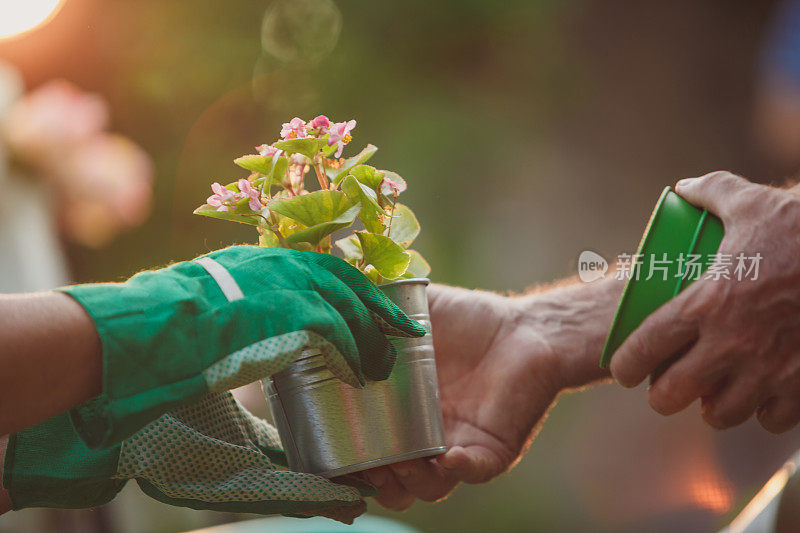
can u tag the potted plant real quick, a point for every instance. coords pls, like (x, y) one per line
(328, 427)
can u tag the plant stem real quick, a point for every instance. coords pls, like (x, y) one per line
(391, 214)
(319, 169)
(276, 231)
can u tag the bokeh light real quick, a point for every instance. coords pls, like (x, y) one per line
(301, 30)
(17, 18)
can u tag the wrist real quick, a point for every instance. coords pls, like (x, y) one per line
(573, 322)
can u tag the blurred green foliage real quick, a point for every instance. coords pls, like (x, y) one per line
(191, 82)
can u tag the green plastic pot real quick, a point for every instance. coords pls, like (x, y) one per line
(676, 229)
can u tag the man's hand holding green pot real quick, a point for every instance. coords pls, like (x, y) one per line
(224, 320)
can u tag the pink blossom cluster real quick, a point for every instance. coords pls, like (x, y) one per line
(223, 198)
(338, 133)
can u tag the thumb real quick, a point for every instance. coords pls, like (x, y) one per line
(470, 464)
(718, 191)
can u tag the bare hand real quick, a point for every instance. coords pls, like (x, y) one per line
(501, 362)
(495, 385)
(742, 337)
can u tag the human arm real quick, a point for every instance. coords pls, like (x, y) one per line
(740, 337)
(50, 361)
(501, 363)
(172, 335)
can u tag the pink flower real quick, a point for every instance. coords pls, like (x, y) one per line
(266, 150)
(253, 193)
(321, 123)
(298, 159)
(103, 185)
(394, 186)
(222, 197)
(51, 120)
(339, 134)
(295, 128)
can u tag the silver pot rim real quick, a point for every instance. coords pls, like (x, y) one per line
(405, 281)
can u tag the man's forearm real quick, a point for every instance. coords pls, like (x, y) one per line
(50, 358)
(574, 320)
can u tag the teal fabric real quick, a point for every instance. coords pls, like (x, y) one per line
(48, 465)
(161, 330)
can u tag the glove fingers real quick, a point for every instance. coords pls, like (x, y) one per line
(368, 293)
(181, 464)
(376, 355)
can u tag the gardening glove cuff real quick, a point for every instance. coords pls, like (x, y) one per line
(224, 320)
(48, 465)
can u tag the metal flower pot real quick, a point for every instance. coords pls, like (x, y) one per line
(331, 429)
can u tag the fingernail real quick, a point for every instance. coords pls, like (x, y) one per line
(685, 182)
(445, 462)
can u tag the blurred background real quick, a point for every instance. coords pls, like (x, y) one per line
(527, 131)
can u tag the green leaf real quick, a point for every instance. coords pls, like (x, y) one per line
(351, 247)
(308, 146)
(241, 214)
(271, 169)
(388, 258)
(312, 208)
(268, 239)
(256, 163)
(303, 247)
(371, 212)
(314, 234)
(337, 174)
(368, 175)
(417, 267)
(322, 212)
(404, 226)
(327, 151)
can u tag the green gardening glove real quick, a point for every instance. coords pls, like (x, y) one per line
(224, 320)
(210, 455)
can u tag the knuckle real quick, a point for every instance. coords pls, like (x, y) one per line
(639, 348)
(716, 179)
(697, 302)
(718, 176)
